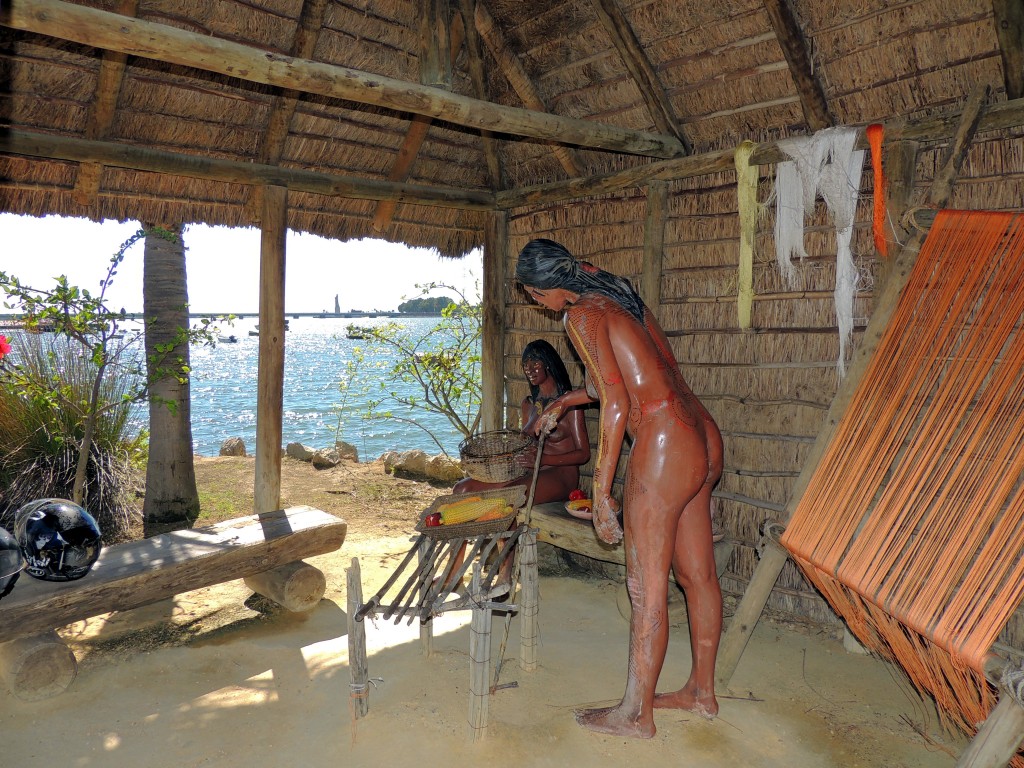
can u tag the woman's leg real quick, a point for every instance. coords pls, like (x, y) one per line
(657, 489)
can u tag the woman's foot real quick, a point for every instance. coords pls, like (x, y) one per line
(617, 722)
(703, 704)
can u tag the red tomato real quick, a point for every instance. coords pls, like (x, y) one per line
(577, 494)
(432, 520)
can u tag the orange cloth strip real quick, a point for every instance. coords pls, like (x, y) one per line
(874, 133)
(912, 525)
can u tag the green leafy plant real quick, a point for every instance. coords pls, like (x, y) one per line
(99, 336)
(435, 372)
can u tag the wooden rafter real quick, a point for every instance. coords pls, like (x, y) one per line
(31, 144)
(520, 80)
(435, 63)
(794, 47)
(635, 59)
(413, 141)
(282, 108)
(101, 111)
(1008, 16)
(476, 74)
(109, 31)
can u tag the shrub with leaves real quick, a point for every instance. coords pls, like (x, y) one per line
(436, 372)
(46, 388)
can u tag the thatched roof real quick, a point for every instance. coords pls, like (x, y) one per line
(230, 80)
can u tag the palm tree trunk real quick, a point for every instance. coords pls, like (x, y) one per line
(171, 501)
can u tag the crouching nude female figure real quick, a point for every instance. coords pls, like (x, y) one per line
(675, 462)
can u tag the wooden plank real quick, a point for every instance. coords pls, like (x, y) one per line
(1008, 18)
(141, 572)
(555, 526)
(161, 42)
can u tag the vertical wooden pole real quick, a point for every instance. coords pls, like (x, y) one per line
(427, 625)
(654, 243)
(495, 260)
(479, 663)
(900, 171)
(529, 602)
(270, 382)
(357, 669)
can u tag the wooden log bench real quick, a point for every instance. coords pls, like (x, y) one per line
(557, 527)
(265, 550)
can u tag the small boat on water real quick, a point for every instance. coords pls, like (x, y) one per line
(232, 339)
(256, 332)
(355, 332)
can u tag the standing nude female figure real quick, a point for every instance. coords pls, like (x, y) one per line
(675, 462)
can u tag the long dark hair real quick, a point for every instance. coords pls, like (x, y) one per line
(546, 264)
(552, 361)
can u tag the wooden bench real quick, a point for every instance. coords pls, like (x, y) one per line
(265, 550)
(557, 527)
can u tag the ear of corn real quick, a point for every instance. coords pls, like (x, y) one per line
(473, 508)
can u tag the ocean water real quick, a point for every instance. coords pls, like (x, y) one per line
(316, 412)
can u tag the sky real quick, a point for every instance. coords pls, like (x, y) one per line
(223, 266)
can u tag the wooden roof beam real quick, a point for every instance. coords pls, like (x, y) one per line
(1008, 17)
(1009, 114)
(794, 48)
(49, 146)
(476, 74)
(101, 112)
(640, 69)
(135, 37)
(520, 80)
(413, 141)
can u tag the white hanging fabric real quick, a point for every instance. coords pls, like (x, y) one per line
(824, 163)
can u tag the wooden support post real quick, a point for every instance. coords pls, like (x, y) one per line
(479, 663)
(295, 586)
(999, 737)
(38, 666)
(492, 409)
(427, 623)
(358, 673)
(654, 244)
(768, 570)
(901, 170)
(270, 382)
(529, 602)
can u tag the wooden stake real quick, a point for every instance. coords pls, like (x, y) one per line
(479, 663)
(529, 604)
(357, 668)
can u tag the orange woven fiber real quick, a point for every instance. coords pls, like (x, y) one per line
(912, 525)
(874, 133)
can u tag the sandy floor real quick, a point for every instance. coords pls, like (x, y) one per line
(223, 685)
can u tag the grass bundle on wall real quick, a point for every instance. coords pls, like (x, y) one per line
(40, 435)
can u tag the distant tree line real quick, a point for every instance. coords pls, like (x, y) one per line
(434, 305)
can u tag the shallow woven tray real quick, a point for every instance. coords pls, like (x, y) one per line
(490, 457)
(516, 496)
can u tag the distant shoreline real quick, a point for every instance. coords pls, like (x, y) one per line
(13, 321)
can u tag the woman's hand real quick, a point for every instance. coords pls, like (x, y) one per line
(549, 419)
(526, 459)
(606, 519)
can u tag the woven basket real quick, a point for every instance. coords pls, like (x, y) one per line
(490, 457)
(516, 496)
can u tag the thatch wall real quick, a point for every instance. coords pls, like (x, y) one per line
(769, 387)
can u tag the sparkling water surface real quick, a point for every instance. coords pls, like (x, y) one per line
(224, 381)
